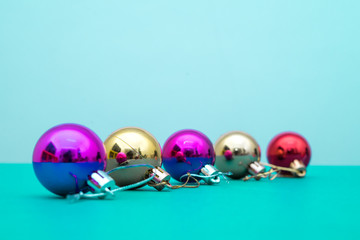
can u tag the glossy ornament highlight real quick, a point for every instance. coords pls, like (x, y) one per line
(132, 146)
(289, 150)
(239, 153)
(188, 151)
(65, 156)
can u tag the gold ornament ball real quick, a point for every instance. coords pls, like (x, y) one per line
(130, 146)
(234, 152)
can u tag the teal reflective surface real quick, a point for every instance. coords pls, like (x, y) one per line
(325, 203)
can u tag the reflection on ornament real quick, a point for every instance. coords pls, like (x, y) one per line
(133, 146)
(289, 152)
(237, 152)
(65, 156)
(68, 160)
(190, 153)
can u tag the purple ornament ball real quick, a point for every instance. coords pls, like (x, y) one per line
(187, 151)
(65, 156)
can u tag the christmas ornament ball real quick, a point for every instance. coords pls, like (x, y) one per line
(65, 156)
(287, 147)
(235, 150)
(131, 146)
(187, 151)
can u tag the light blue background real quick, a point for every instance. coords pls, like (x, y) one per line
(258, 66)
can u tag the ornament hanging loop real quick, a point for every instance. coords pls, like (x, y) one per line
(271, 174)
(103, 186)
(209, 174)
(185, 185)
(297, 168)
(214, 180)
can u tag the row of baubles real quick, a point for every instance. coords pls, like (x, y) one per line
(70, 159)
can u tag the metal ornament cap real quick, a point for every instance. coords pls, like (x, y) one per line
(290, 150)
(235, 151)
(209, 170)
(130, 146)
(256, 168)
(160, 176)
(298, 165)
(101, 182)
(65, 156)
(187, 151)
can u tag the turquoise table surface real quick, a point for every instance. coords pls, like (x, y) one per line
(323, 205)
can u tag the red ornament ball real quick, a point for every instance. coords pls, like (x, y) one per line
(286, 147)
